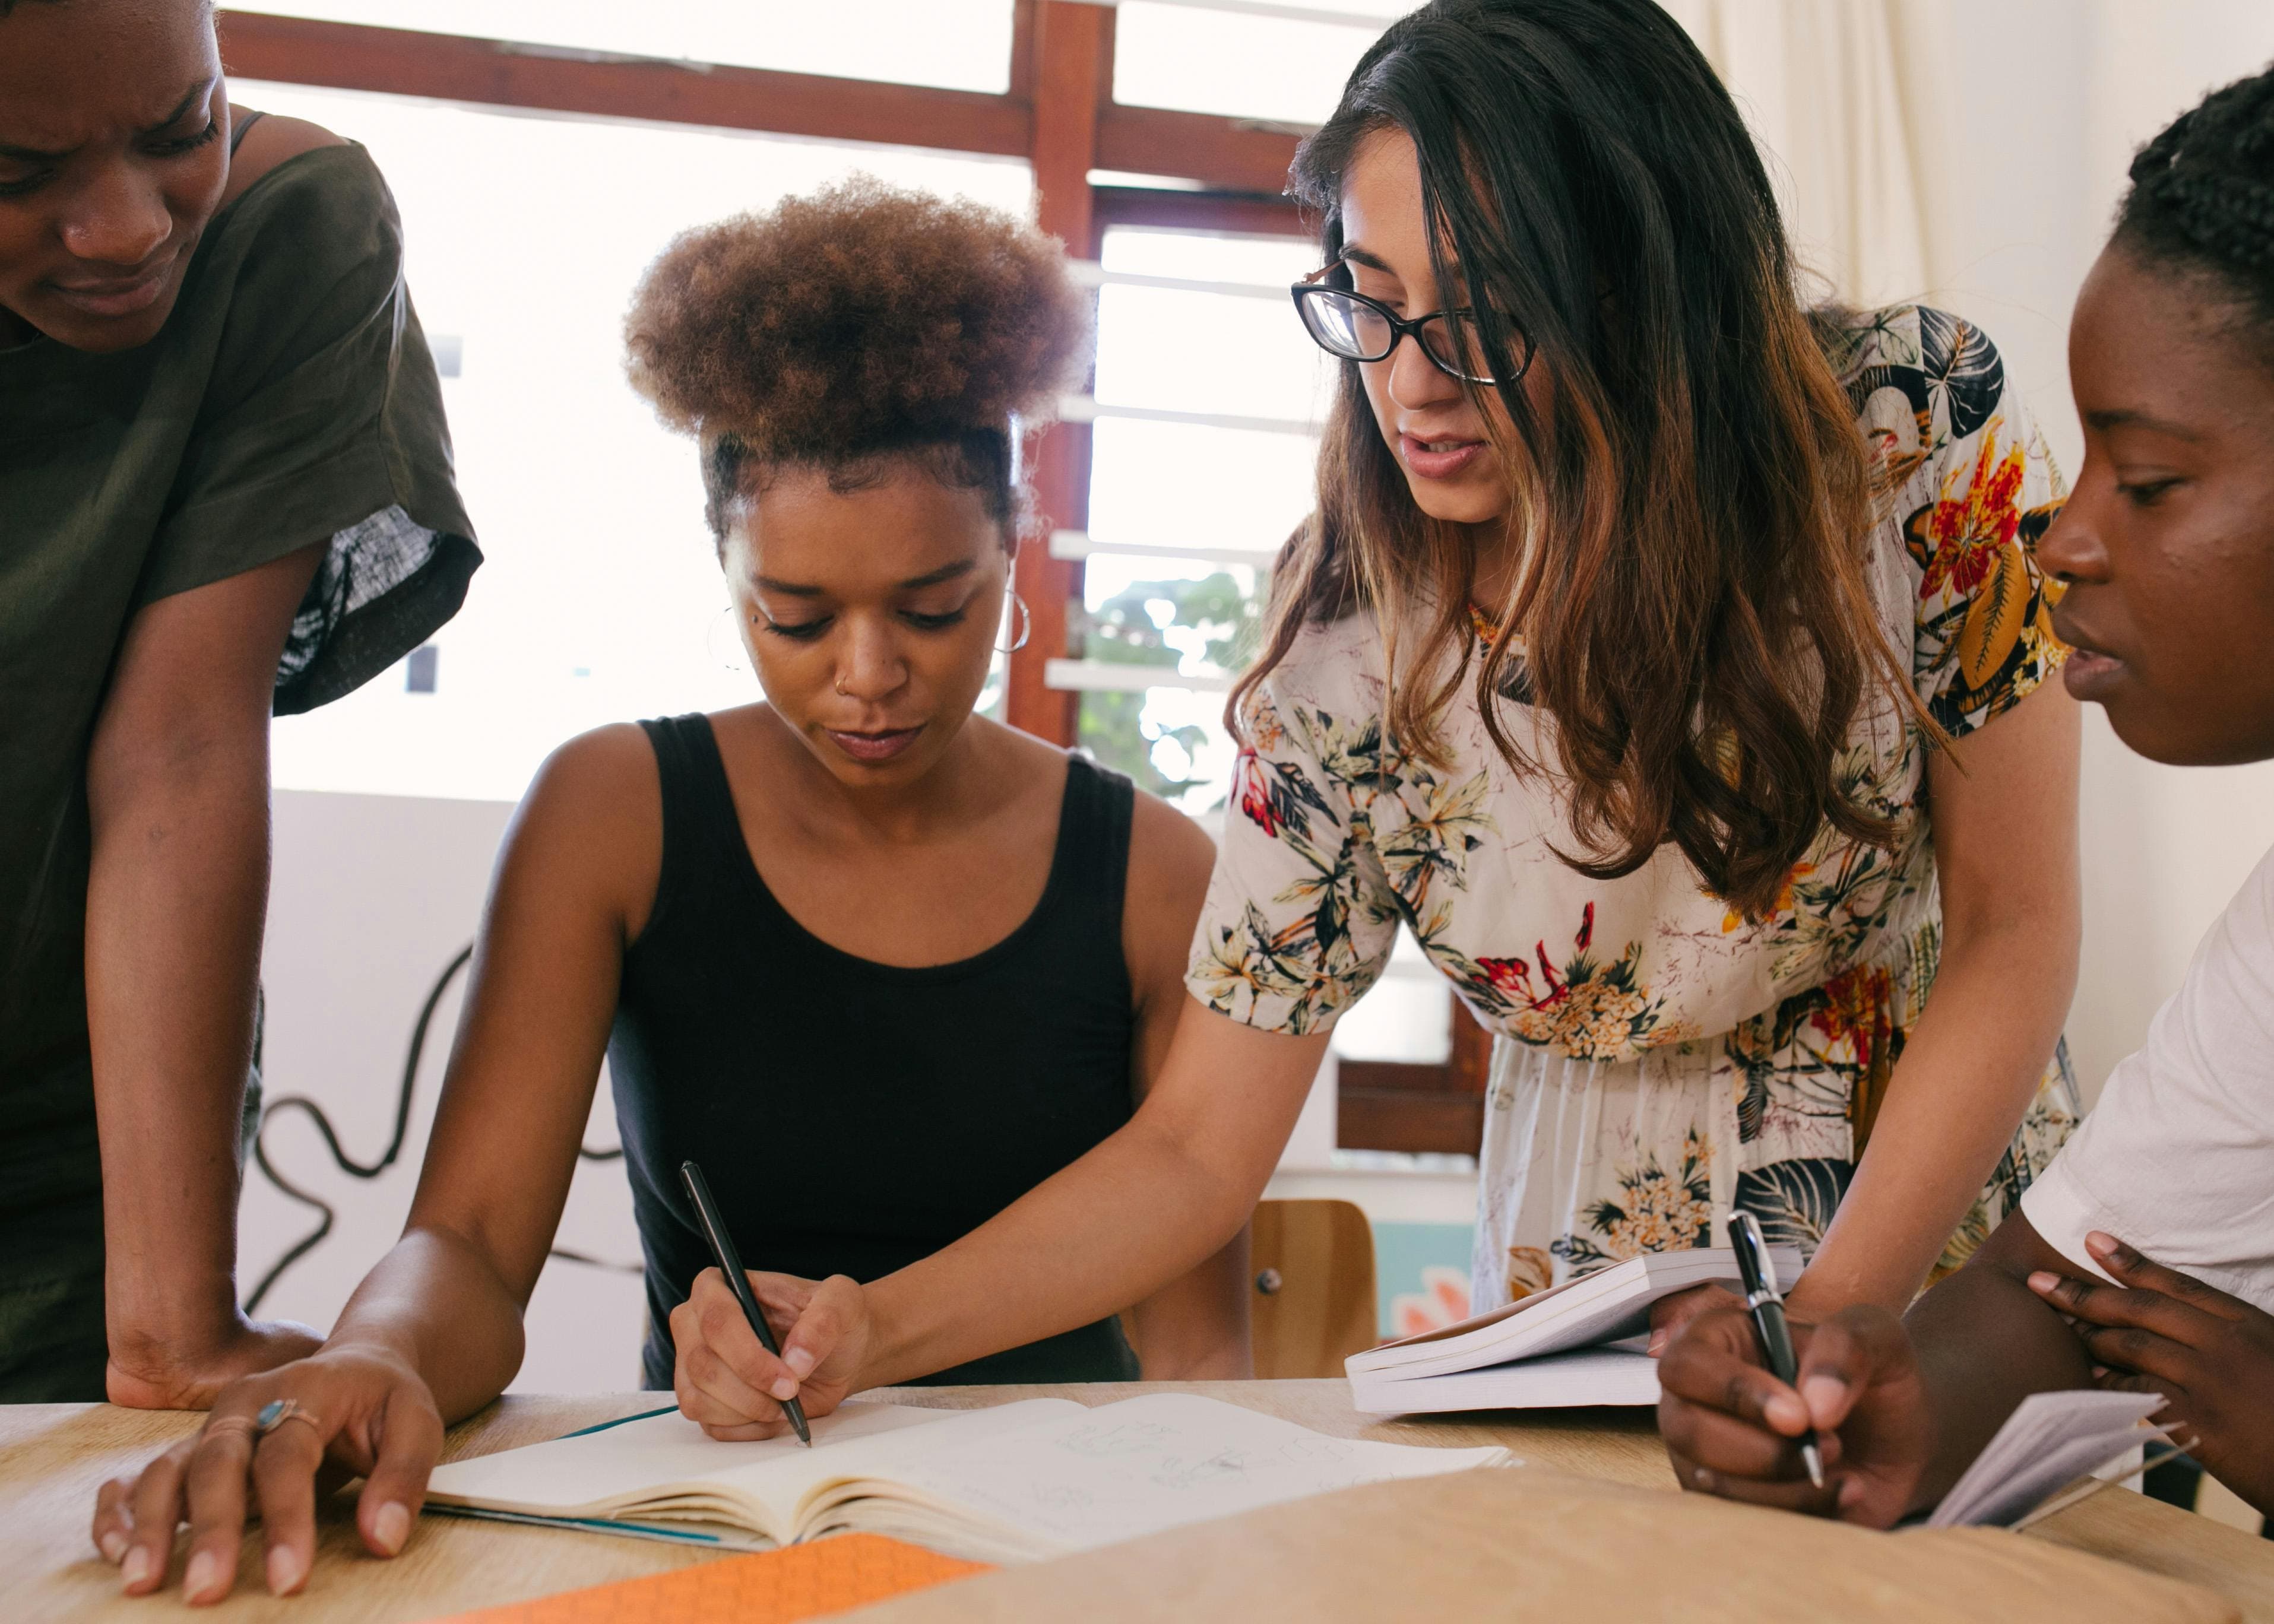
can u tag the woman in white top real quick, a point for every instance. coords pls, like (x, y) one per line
(1679, 854)
(2168, 550)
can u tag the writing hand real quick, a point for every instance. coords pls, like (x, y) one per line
(728, 1382)
(2210, 1355)
(1734, 1430)
(361, 1413)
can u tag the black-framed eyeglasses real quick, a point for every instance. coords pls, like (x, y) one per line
(1357, 328)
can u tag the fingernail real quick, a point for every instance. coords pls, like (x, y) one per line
(284, 1570)
(801, 1361)
(1823, 1394)
(2101, 1241)
(137, 1568)
(1851, 1491)
(113, 1546)
(204, 1571)
(784, 1390)
(2043, 1280)
(1788, 1412)
(1657, 1344)
(392, 1526)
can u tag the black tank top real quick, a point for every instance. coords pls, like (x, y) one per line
(854, 1117)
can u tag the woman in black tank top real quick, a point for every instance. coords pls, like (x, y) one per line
(854, 1117)
(882, 966)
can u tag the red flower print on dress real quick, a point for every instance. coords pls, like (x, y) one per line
(1273, 796)
(1958, 538)
(1511, 976)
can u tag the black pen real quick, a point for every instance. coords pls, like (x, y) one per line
(730, 1265)
(1767, 1310)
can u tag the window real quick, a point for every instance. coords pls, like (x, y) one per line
(956, 44)
(1184, 518)
(601, 599)
(1283, 63)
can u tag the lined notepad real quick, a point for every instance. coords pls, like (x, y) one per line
(1016, 1482)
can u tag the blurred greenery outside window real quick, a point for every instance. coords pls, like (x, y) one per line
(1216, 620)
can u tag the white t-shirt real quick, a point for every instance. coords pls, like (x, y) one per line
(2177, 1160)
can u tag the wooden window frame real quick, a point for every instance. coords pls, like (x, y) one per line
(1058, 113)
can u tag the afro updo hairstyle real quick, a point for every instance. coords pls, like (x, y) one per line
(2202, 197)
(861, 324)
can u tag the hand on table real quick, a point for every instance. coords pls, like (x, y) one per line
(2210, 1355)
(1732, 1429)
(361, 1412)
(187, 1378)
(727, 1381)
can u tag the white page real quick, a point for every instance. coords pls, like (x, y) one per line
(1601, 1307)
(1143, 1465)
(1555, 1381)
(574, 1475)
(2031, 1453)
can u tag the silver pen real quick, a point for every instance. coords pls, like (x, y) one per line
(1766, 1307)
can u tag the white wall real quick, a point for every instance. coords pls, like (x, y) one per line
(372, 895)
(2047, 102)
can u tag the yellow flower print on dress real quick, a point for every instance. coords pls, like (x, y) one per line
(1654, 1211)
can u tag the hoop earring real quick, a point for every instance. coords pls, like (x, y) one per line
(1026, 626)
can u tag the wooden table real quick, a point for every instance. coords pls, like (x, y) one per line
(53, 1457)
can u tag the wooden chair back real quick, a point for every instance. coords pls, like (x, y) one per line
(1312, 1293)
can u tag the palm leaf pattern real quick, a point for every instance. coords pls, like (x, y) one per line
(1795, 1201)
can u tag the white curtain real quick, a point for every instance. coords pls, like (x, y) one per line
(1842, 97)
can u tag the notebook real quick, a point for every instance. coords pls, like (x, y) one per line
(2049, 1441)
(1576, 1343)
(1018, 1482)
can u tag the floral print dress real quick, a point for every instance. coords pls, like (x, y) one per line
(1658, 1059)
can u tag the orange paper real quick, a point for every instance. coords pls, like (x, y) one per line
(767, 1587)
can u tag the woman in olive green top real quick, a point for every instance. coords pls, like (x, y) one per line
(225, 485)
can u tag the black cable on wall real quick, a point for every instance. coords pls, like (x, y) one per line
(326, 1213)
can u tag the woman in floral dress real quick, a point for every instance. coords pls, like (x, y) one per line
(1695, 832)
(1679, 1028)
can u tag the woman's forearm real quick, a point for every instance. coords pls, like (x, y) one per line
(1113, 1227)
(1967, 1075)
(1147, 1206)
(438, 1303)
(176, 894)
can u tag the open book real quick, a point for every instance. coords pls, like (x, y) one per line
(1021, 1481)
(2049, 1441)
(1576, 1343)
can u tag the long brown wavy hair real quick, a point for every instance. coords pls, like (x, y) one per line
(1691, 606)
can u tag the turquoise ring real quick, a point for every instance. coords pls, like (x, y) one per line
(276, 1412)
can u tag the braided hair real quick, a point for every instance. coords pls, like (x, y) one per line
(2202, 194)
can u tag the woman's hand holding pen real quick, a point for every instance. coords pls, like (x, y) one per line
(729, 1384)
(1733, 1429)
(270, 1442)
